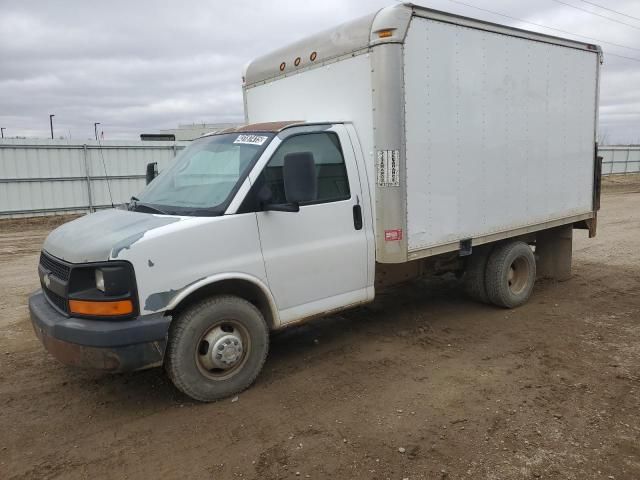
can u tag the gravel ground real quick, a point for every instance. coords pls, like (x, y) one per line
(421, 384)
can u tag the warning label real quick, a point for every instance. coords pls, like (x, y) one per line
(388, 168)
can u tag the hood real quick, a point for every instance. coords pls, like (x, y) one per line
(101, 236)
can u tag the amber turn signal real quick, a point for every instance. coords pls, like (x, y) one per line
(385, 33)
(101, 309)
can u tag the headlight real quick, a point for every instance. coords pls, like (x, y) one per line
(107, 289)
(99, 280)
(114, 280)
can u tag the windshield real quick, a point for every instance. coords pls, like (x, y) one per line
(203, 177)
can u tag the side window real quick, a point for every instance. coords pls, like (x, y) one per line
(333, 184)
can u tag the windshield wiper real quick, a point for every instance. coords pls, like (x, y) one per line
(152, 208)
(202, 212)
(135, 203)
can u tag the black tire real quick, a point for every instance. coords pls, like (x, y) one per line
(474, 275)
(220, 320)
(510, 274)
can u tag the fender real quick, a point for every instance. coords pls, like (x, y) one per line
(203, 282)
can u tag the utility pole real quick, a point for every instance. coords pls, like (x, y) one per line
(51, 124)
(95, 129)
(2, 131)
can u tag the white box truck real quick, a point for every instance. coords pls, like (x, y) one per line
(407, 142)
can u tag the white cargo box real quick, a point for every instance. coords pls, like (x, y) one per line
(473, 131)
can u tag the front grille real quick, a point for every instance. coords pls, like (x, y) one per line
(62, 272)
(56, 300)
(56, 267)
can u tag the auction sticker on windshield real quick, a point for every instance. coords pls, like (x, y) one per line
(250, 139)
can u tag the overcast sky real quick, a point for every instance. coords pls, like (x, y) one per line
(140, 66)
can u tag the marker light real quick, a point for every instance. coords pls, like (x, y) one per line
(385, 33)
(101, 309)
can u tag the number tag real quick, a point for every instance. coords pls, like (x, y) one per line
(250, 139)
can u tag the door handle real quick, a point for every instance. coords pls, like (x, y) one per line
(357, 217)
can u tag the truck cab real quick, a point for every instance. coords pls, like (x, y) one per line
(272, 217)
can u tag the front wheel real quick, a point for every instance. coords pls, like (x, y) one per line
(216, 348)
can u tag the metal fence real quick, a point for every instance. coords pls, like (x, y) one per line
(45, 177)
(620, 159)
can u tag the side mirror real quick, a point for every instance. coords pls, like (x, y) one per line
(300, 183)
(152, 171)
(299, 175)
(265, 197)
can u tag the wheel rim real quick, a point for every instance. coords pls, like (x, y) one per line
(222, 350)
(518, 275)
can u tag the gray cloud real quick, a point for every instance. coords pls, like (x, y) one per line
(145, 65)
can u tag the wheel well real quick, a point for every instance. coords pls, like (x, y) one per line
(240, 288)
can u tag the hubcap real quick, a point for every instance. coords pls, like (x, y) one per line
(518, 275)
(221, 349)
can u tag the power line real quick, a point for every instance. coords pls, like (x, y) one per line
(545, 26)
(553, 28)
(597, 14)
(610, 9)
(106, 175)
(622, 56)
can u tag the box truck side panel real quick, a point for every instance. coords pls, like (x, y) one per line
(338, 91)
(500, 132)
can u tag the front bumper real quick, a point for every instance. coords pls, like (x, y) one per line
(115, 346)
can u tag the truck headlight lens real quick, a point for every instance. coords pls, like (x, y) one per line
(113, 281)
(99, 280)
(105, 289)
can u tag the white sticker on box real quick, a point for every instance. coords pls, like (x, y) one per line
(251, 139)
(388, 168)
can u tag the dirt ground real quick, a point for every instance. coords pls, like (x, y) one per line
(421, 384)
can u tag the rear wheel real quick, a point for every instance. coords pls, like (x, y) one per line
(216, 348)
(510, 274)
(474, 275)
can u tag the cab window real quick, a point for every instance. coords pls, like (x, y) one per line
(331, 172)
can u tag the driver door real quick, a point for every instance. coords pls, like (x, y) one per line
(316, 258)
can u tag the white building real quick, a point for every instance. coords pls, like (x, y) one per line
(192, 131)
